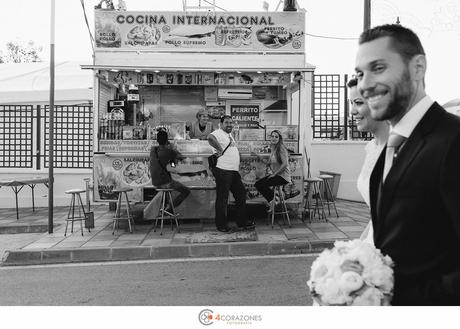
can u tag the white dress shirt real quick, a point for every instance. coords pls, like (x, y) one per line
(409, 121)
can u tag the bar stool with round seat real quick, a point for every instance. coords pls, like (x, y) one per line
(116, 220)
(81, 209)
(328, 196)
(166, 199)
(313, 191)
(278, 193)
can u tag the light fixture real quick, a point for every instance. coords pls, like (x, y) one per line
(218, 72)
(157, 71)
(259, 72)
(280, 72)
(239, 72)
(138, 71)
(114, 70)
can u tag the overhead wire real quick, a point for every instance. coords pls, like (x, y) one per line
(87, 24)
(329, 37)
(309, 34)
(215, 5)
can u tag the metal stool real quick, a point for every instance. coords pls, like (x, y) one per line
(166, 199)
(328, 196)
(129, 217)
(75, 195)
(278, 192)
(313, 191)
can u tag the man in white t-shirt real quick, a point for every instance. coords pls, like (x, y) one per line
(227, 177)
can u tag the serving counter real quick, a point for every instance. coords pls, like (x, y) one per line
(126, 164)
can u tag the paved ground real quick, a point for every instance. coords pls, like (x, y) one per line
(253, 281)
(196, 239)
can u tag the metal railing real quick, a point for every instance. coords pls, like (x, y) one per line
(16, 136)
(73, 136)
(22, 139)
(330, 109)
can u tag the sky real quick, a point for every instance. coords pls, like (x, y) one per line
(333, 27)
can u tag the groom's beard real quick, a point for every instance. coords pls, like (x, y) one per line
(403, 93)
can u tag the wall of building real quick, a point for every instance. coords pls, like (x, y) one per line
(343, 157)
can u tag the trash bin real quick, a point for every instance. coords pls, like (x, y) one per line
(334, 183)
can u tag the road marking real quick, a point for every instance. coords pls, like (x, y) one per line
(153, 261)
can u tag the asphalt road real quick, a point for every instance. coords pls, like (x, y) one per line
(253, 281)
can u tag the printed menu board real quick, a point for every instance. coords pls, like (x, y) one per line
(252, 134)
(218, 31)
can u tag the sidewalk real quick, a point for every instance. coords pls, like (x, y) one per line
(198, 239)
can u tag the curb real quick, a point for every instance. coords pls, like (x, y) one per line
(18, 229)
(62, 256)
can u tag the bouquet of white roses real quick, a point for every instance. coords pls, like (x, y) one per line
(352, 273)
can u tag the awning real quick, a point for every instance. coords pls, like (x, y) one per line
(188, 69)
(277, 106)
(203, 62)
(30, 83)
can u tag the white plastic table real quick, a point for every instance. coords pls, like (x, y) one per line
(17, 183)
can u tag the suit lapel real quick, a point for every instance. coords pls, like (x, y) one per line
(406, 156)
(375, 192)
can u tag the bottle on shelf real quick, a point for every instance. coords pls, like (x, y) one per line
(116, 122)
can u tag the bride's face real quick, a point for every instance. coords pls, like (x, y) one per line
(360, 110)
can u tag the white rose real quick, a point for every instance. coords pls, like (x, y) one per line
(319, 272)
(332, 294)
(350, 281)
(370, 297)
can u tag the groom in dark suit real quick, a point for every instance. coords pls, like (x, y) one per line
(415, 185)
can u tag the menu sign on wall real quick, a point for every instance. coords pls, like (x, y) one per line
(227, 31)
(246, 116)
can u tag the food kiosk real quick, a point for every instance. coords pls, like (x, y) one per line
(156, 70)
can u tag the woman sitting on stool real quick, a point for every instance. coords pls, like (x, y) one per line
(278, 162)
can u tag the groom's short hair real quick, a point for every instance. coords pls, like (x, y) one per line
(403, 40)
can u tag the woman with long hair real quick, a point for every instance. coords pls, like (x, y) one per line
(380, 129)
(278, 162)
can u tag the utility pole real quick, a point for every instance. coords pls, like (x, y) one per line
(51, 126)
(367, 15)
